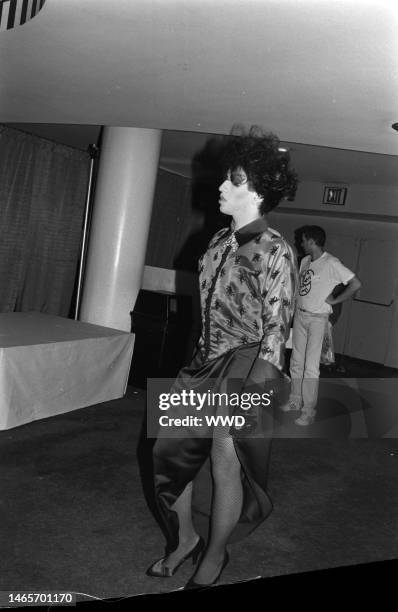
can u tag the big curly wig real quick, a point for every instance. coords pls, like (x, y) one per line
(267, 168)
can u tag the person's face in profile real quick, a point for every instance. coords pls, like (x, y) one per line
(306, 244)
(235, 194)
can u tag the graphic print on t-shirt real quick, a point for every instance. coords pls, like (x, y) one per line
(305, 281)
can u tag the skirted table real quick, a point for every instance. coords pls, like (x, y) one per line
(50, 365)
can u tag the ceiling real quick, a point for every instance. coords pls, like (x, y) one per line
(322, 74)
(319, 72)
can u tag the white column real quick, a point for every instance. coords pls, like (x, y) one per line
(120, 225)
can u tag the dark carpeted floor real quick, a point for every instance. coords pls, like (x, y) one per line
(75, 518)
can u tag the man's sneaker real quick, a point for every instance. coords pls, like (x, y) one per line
(289, 406)
(305, 420)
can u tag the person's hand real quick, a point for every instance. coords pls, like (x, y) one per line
(264, 378)
(330, 300)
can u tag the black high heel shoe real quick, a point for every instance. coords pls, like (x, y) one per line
(166, 572)
(191, 584)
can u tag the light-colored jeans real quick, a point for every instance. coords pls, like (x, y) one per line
(308, 332)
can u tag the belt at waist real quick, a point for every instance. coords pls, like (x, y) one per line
(315, 314)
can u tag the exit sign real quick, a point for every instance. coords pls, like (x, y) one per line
(335, 195)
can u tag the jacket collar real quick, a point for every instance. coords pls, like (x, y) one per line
(252, 230)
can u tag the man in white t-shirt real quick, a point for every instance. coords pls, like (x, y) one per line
(320, 272)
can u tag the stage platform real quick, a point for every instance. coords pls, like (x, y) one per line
(50, 365)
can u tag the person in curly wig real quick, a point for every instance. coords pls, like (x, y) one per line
(248, 278)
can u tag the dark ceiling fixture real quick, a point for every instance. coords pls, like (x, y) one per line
(17, 12)
(395, 126)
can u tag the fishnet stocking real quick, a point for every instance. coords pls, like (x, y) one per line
(225, 512)
(226, 506)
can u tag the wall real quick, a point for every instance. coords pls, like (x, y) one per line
(365, 199)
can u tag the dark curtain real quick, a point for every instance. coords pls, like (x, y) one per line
(42, 199)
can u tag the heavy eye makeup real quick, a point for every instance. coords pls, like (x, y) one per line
(237, 177)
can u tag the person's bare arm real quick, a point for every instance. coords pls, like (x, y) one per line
(352, 287)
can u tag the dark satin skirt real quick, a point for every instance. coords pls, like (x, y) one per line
(180, 460)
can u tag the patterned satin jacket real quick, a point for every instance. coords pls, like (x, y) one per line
(248, 281)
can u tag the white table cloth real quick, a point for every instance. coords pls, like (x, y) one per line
(50, 365)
